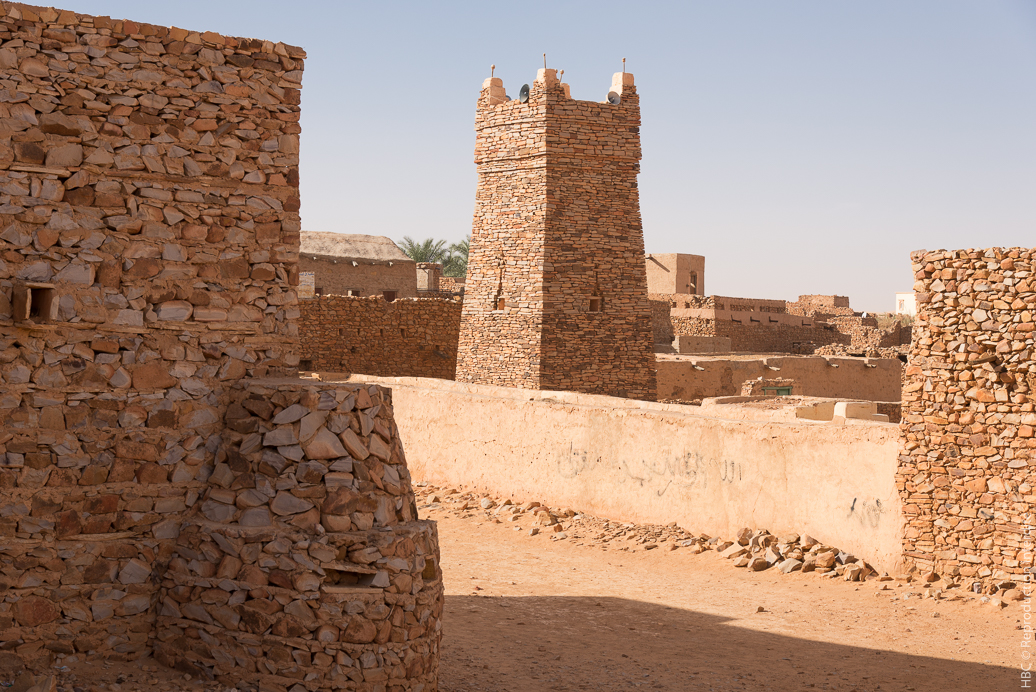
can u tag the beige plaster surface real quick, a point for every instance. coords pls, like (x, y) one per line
(657, 463)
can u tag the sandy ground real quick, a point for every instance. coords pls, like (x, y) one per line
(533, 613)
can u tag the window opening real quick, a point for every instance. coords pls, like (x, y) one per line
(389, 296)
(34, 302)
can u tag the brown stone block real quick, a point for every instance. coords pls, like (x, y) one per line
(67, 524)
(29, 152)
(109, 274)
(34, 611)
(36, 460)
(359, 631)
(153, 375)
(128, 449)
(144, 269)
(94, 475)
(343, 502)
(43, 506)
(152, 474)
(235, 269)
(102, 504)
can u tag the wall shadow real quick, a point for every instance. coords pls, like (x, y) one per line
(520, 644)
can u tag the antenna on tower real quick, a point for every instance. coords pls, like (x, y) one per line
(544, 61)
(492, 69)
(624, 66)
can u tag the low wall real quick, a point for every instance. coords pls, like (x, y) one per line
(872, 379)
(405, 338)
(649, 462)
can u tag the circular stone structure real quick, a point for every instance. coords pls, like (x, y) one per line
(303, 566)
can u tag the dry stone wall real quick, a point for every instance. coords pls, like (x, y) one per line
(148, 250)
(405, 338)
(556, 293)
(304, 562)
(966, 465)
(149, 236)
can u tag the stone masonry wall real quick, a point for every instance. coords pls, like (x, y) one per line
(406, 338)
(760, 337)
(661, 324)
(148, 255)
(966, 468)
(556, 293)
(304, 563)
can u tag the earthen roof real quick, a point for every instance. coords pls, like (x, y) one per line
(351, 246)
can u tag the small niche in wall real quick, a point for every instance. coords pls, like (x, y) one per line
(595, 304)
(501, 304)
(306, 364)
(36, 302)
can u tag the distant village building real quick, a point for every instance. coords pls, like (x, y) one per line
(906, 304)
(676, 273)
(355, 265)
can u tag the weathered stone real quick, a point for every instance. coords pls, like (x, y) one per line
(354, 445)
(33, 611)
(286, 503)
(323, 445)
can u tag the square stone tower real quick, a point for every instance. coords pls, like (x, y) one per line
(556, 293)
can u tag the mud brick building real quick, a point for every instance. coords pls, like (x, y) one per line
(357, 265)
(556, 289)
(966, 467)
(675, 273)
(151, 492)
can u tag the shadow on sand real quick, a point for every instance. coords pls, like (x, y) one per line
(536, 644)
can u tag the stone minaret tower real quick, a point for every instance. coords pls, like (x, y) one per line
(556, 294)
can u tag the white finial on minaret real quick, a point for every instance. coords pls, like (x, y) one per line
(624, 66)
(492, 69)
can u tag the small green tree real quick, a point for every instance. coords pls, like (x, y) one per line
(456, 261)
(429, 250)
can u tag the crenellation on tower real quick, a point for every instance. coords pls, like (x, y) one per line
(556, 296)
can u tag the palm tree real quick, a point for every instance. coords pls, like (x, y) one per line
(456, 261)
(429, 250)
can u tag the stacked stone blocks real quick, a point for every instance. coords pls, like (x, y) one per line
(555, 296)
(369, 336)
(304, 562)
(149, 236)
(966, 465)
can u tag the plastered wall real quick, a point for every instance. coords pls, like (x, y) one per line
(636, 461)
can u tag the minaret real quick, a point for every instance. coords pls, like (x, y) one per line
(556, 293)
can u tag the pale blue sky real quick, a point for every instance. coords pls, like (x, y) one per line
(801, 146)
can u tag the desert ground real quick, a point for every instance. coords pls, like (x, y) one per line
(531, 613)
(596, 608)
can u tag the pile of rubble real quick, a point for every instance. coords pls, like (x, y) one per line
(756, 550)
